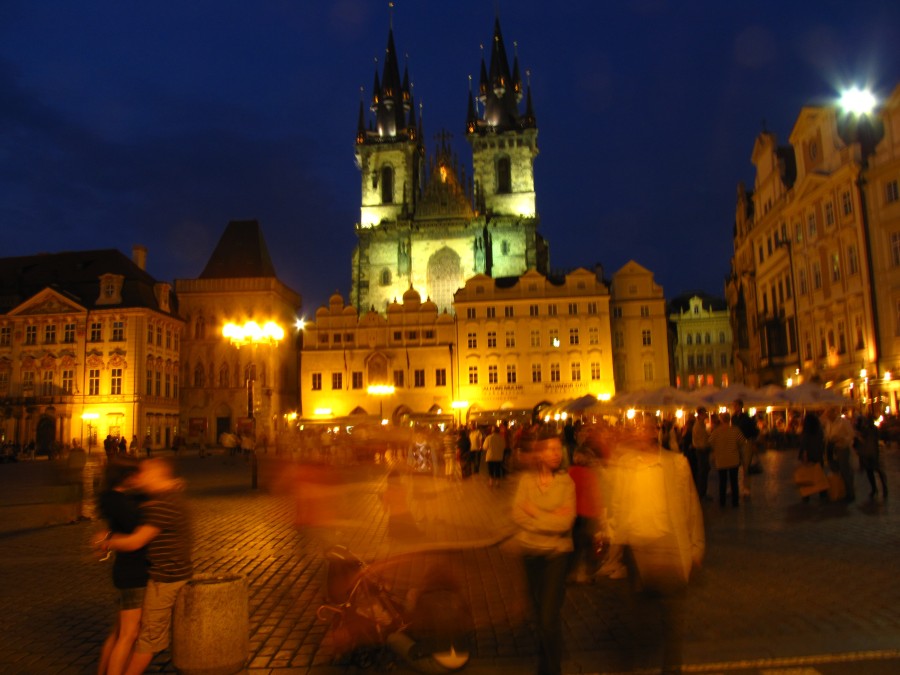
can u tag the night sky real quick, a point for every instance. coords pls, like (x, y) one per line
(157, 123)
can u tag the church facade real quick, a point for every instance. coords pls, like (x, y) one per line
(422, 224)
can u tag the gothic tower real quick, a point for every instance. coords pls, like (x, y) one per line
(421, 224)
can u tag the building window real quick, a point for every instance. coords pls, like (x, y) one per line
(535, 372)
(470, 312)
(419, 378)
(473, 374)
(69, 333)
(115, 381)
(4, 382)
(385, 277)
(49, 334)
(510, 338)
(47, 383)
(811, 225)
(689, 339)
(852, 260)
(30, 335)
(508, 311)
(617, 312)
(504, 176)
(618, 339)
(387, 185)
(554, 337)
(895, 249)
(168, 338)
(356, 379)
(94, 382)
(846, 203)
(28, 383)
(472, 340)
(891, 193)
(803, 286)
(595, 370)
(398, 335)
(645, 310)
(337, 381)
(576, 372)
(158, 383)
(592, 308)
(573, 336)
(842, 338)
(817, 275)
(491, 312)
(159, 332)
(118, 331)
(5, 336)
(535, 338)
(594, 336)
(510, 373)
(317, 381)
(690, 361)
(323, 337)
(399, 379)
(648, 371)
(709, 360)
(440, 377)
(68, 381)
(149, 382)
(551, 310)
(721, 337)
(412, 335)
(554, 372)
(223, 376)
(491, 339)
(492, 375)
(723, 360)
(573, 308)
(96, 331)
(337, 338)
(645, 338)
(829, 214)
(168, 381)
(533, 310)
(835, 267)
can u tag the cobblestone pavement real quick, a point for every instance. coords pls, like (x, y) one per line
(786, 587)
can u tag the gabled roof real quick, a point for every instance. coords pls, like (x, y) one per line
(74, 275)
(241, 253)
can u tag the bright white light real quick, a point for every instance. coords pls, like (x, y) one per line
(381, 389)
(604, 396)
(556, 342)
(858, 101)
(630, 414)
(459, 404)
(679, 413)
(322, 411)
(251, 332)
(90, 416)
(300, 323)
(752, 412)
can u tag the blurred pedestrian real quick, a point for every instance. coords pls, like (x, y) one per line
(728, 446)
(812, 447)
(494, 448)
(544, 510)
(119, 504)
(750, 431)
(700, 441)
(869, 453)
(476, 440)
(839, 436)
(588, 510)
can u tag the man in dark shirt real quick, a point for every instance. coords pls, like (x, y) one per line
(166, 533)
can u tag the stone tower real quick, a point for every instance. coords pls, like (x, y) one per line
(422, 225)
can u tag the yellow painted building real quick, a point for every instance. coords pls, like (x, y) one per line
(531, 340)
(639, 325)
(398, 366)
(89, 347)
(812, 291)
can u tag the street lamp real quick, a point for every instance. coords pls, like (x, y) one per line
(857, 124)
(380, 391)
(252, 334)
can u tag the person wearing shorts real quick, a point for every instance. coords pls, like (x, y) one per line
(166, 533)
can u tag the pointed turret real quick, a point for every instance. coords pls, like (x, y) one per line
(361, 123)
(376, 92)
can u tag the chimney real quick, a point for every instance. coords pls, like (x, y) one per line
(139, 256)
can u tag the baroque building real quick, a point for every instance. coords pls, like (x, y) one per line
(817, 255)
(89, 347)
(640, 340)
(230, 384)
(532, 340)
(702, 341)
(422, 225)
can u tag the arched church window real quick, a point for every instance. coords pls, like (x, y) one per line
(223, 376)
(200, 328)
(504, 176)
(387, 185)
(199, 375)
(385, 277)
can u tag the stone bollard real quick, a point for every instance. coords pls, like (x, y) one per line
(211, 626)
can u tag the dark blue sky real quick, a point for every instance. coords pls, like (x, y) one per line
(157, 123)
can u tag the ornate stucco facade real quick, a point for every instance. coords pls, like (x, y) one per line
(89, 347)
(422, 225)
(817, 252)
(702, 341)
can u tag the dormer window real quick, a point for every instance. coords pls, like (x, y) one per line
(110, 289)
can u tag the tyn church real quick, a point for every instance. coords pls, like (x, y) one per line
(422, 224)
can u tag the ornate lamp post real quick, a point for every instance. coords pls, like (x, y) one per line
(857, 124)
(251, 333)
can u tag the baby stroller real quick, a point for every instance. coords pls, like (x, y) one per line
(371, 626)
(361, 611)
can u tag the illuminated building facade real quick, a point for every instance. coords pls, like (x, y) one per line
(397, 366)
(232, 385)
(816, 259)
(89, 347)
(702, 344)
(640, 340)
(421, 226)
(529, 340)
